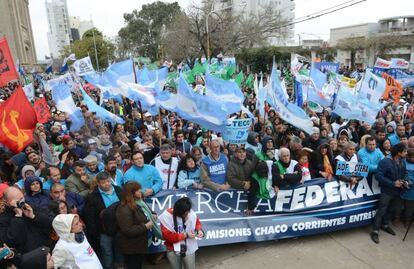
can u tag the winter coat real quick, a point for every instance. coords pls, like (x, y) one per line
(94, 204)
(132, 236)
(63, 257)
(40, 199)
(388, 172)
(76, 185)
(238, 172)
(25, 234)
(186, 178)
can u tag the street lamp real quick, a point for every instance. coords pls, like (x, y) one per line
(208, 15)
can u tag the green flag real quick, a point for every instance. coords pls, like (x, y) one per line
(239, 79)
(249, 81)
(198, 69)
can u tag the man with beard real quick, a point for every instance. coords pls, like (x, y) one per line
(113, 171)
(36, 161)
(79, 182)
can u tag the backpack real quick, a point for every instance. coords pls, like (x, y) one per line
(108, 219)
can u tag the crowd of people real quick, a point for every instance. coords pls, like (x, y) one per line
(77, 198)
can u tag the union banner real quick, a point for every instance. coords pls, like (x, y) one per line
(18, 120)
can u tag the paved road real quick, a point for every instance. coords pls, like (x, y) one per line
(346, 249)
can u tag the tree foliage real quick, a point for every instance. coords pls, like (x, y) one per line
(141, 36)
(85, 47)
(228, 33)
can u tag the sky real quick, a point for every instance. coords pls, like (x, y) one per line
(107, 15)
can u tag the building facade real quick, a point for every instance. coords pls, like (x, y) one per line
(59, 34)
(401, 27)
(80, 26)
(284, 9)
(16, 26)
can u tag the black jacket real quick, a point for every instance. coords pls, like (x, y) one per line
(25, 234)
(94, 205)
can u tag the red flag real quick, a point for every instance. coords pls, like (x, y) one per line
(42, 110)
(17, 121)
(8, 70)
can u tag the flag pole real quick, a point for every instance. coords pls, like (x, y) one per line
(136, 81)
(160, 123)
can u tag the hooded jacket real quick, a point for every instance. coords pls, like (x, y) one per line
(41, 198)
(262, 155)
(251, 144)
(68, 253)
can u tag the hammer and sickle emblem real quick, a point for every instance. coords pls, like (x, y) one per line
(20, 137)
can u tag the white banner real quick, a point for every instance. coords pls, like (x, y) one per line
(381, 63)
(399, 63)
(83, 66)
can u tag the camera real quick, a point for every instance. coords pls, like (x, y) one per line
(183, 250)
(21, 204)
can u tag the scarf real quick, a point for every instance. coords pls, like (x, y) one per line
(327, 165)
(156, 231)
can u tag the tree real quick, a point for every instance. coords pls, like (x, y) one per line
(86, 47)
(143, 30)
(228, 32)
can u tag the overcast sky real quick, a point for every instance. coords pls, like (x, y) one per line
(107, 15)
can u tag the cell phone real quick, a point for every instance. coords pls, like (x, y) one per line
(4, 252)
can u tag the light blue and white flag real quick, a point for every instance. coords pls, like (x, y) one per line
(49, 66)
(350, 106)
(65, 66)
(61, 95)
(290, 113)
(65, 79)
(261, 97)
(278, 102)
(101, 112)
(147, 77)
(29, 91)
(372, 87)
(318, 91)
(227, 93)
(194, 107)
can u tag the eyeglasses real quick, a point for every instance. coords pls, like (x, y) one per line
(127, 151)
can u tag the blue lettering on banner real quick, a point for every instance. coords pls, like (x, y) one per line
(317, 206)
(237, 131)
(352, 169)
(327, 66)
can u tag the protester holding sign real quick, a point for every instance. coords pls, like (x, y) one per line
(348, 157)
(390, 175)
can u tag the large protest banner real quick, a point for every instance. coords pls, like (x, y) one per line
(317, 206)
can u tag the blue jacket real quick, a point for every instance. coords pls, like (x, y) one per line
(40, 199)
(187, 178)
(394, 139)
(372, 159)
(148, 176)
(388, 172)
(409, 194)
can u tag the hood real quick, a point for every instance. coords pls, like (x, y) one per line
(28, 168)
(392, 124)
(62, 225)
(264, 142)
(251, 137)
(29, 182)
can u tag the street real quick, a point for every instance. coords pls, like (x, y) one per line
(345, 249)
